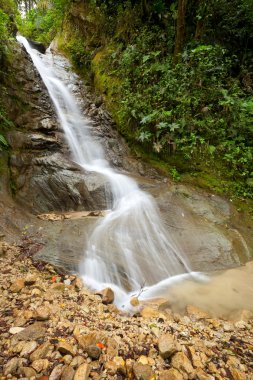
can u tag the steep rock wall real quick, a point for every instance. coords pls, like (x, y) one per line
(41, 173)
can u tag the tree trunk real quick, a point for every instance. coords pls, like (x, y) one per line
(144, 6)
(199, 30)
(201, 21)
(180, 32)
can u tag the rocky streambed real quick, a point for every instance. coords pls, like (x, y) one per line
(53, 328)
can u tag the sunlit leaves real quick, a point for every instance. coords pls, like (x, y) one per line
(144, 136)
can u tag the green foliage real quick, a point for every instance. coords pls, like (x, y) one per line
(8, 12)
(43, 22)
(5, 124)
(78, 54)
(4, 41)
(175, 175)
(9, 7)
(3, 143)
(195, 108)
(4, 35)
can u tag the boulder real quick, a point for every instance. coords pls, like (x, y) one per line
(143, 360)
(107, 295)
(181, 362)
(68, 373)
(149, 312)
(195, 357)
(116, 366)
(112, 348)
(42, 351)
(236, 374)
(143, 372)
(195, 313)
(167, 345)
(82, 372)
(87, 339)
(32, 332)
(202, 375)
(171, 374)
(17, 285)
(134, 301)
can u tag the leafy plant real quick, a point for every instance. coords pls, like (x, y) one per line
(175, 175)
(3, 143)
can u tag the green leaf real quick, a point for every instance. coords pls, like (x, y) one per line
(144, 136)
(167, 113)
(145, 58)
(149, 118)
(3, 142)
(174, 126)
(211, 149)
(162, 125)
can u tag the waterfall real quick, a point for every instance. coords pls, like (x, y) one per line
(129, 249)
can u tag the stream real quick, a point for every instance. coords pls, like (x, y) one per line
(130, 249)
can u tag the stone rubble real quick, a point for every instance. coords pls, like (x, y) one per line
(53, 328)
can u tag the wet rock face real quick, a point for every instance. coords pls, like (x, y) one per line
(37, 45)
(43, 175)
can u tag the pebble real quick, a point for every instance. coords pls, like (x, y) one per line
(28, 348)
(16, 330)
(42, 313)
(40, 365)
(11, 366)
(66, 348)
(17, 286)
(30, 280)
(28, 372)
(93, 351)
(56, 373)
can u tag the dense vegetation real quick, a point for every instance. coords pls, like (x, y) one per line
(176, 76)
(8, 12)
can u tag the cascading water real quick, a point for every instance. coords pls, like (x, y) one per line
(129, 249)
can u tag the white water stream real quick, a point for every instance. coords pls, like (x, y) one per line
(129, 249)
